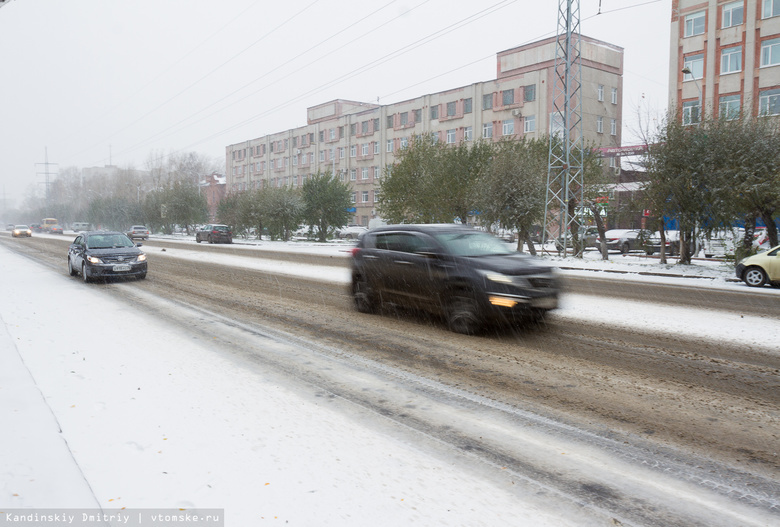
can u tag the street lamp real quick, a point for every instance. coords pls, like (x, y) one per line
(687, 71)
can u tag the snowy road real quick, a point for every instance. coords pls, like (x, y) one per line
(495, 447)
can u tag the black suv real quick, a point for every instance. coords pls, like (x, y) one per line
(214, 233)
(469, 276)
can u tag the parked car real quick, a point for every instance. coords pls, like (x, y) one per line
(106, 254)
(214, 233)
(722, 243)
(351, 232)
(138, 232)
(470, 277)
(761, 269)
(80, 226)
(9, 226)
(626, 240)
(21, 230)
(589, 238)
(55, 229)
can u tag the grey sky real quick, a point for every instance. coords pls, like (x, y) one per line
(89, 79)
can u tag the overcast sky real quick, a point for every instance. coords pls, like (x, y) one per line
(94, 82)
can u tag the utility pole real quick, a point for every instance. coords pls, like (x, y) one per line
(566, 154)
(47, 174)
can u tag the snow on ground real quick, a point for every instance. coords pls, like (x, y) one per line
(103, 406)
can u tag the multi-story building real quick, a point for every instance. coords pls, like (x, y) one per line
(357, 140)
(725, 58)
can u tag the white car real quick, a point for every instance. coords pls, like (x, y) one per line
(351, 232)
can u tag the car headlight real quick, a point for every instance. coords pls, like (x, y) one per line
(141, 257)
(94, 259)
(497, 277)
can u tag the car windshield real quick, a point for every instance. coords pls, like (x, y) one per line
(220, 228)
(472, 244)
(108, 241)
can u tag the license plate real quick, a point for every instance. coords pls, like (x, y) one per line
(121, 267)
(547, 302)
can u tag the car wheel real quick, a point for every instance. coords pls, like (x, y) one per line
(197, 239)
(141, 276)
(754, 277)
(210, 240)
(625, 248)
(71, 270)
(462, 315)
(348, 237)
(84, 274)
(363, 296)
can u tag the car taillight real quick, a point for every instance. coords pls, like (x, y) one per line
(355, 251)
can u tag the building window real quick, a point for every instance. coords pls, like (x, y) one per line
(365, 196)
(342, 152)
(508, 127)
(389, 147)
(695, 63)
(353, 174)
(529, 124)
(600, 124)
(467, 105)
(451, 109)
(487, 130)
(376, 147)
(691, 112)
(404, 118)
(487, 101)
(322, 136)
(364, 173)
(352, 129)
(771, 8)
(770, 52)
(694, 24)
(295, 161)
(435, 111)
(613, 127)
(364, 127)
(529, 93)
(729, 107)
(389, 121)
(731, 60)
(732, 14)
(322, 156)
(600, 94)
(451, 136)
(468, 133)
(353, 151)
(376, 125)
(404, 142)
(417, 115)
(769, 102)
(332, 134)
(354, 197)
(508, 97)
(364, 149)
(614, 95)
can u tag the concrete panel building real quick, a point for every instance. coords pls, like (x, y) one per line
(357, 140)
(725, 58)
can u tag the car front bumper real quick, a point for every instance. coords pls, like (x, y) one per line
(107, 270)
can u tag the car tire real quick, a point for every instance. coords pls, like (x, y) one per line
(363, 296)
(462, 314)
(197, 239)
(625, 248)
(71, 270)
(141, 276)
(210, 239)
(84, 275)
(754, 276)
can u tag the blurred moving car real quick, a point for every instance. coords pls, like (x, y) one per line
(21, 230)
(55, 229)
(214, 233)
(106, 254)
(36, 227)
(761, 269)
(626, 240)
(351, 232)
(138, 232)
(470, 277)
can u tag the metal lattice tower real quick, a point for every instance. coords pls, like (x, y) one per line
(566, 154)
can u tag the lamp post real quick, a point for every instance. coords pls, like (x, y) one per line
(687, 71)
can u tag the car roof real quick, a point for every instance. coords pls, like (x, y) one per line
(89, 233)
(430, 228)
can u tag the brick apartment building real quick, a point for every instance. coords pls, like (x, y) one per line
(730, 53)
(357, 140)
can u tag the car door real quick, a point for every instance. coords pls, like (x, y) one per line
(773, 265)
(76, 251)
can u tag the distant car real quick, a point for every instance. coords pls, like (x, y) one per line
(36, 227)
(214, 233)
(9, 226)
(351, 232)
(21, 230)
(470, 277)
(106, 254)
(55, 229)
(761, 269)
(722, 243)
(138, 232)
(80, 226)
(626, 240)
(589, 237)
